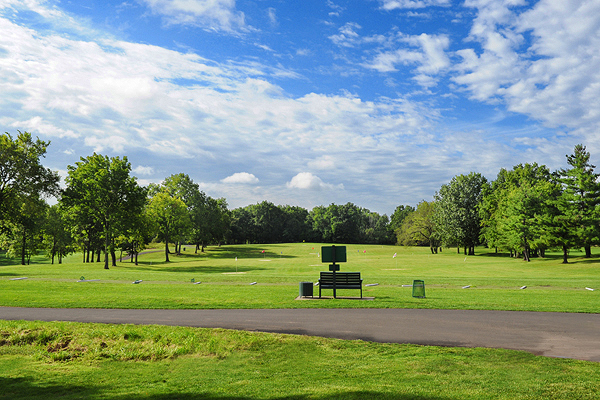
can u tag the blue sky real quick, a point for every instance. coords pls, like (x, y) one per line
(375, 102)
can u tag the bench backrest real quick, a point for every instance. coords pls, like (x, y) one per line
(341, 278)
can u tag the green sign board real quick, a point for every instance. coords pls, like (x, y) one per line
(333, 254)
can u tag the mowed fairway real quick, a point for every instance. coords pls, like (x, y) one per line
(494, 281)
(97, 361)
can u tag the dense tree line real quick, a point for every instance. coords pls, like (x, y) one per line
(525, 211)
(267, 223)
(103, 209)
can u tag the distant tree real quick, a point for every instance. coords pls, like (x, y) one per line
(456, 212)
(171, 216)
(581, 192)
(516, 210)
(22, 176)
(104, 188)
(24, 239)
(295, 224)
(399, 216)
(57, 237)
(418, 228)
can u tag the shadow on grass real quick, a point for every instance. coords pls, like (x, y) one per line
(174, 267)
(9, 274)
(354, 395)
(27, 388)
(245, 251)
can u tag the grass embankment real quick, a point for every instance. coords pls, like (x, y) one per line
(71, 360)
(494, 280)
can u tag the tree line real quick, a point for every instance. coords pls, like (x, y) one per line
(525, 211)
(103, 210)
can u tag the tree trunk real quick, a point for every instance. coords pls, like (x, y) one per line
(565, 254)
(588, 251)
(526, 254)
(106, 247)
(113, 257)
(166, 249)
(136, 258)
(23, 244)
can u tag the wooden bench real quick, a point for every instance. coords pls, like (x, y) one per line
(343, 280)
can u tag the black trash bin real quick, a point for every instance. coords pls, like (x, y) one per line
(306, 289)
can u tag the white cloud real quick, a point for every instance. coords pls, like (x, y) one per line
(401, 4)
(427, 53)
(219, 15)
(348, 37)
(308, 181)
(143, 170)
(241, 177)
(556, 79)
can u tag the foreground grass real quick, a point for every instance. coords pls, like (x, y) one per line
(226, 274)
(70, 360)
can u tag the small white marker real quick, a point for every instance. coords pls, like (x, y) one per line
(589, 288)
(253, 283)
(197, 283)
(372, 284)
(138, 281)
(18, 279)
(406, 285)
(466, 287)
(317, 284)
(523, 287)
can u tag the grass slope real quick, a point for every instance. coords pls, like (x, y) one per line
(72, 361)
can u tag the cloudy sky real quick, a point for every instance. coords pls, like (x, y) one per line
(312, 102)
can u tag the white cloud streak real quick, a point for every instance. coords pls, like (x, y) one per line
(218, 15)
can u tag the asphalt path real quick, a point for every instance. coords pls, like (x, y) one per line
(565, 335)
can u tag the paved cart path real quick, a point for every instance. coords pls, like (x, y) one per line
(543, 333)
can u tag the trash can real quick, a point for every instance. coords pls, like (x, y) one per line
(418, 289)
(306, 289)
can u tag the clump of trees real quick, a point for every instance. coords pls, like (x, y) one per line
(267, 223)
(525, 211)
(24, 183)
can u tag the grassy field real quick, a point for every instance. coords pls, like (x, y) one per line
(94, 361)
(74, 361)
(226, 274)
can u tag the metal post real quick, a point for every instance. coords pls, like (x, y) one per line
(333, 261)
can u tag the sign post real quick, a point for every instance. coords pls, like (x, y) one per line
(333, 255)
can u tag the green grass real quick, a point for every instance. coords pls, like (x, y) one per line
(94, 361)
(69, 360)
(494, 280)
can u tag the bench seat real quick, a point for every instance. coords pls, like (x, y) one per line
(343, 280)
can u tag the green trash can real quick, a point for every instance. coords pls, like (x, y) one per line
(418, 289)
(306, 289)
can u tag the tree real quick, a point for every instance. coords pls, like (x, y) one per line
(171, 216)
(581, 193)
(105, 190)
(456, 212)
(517, 212)
(21, 173)
(57, 238)
(418, 228)
(399, 216)
(25, 235)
